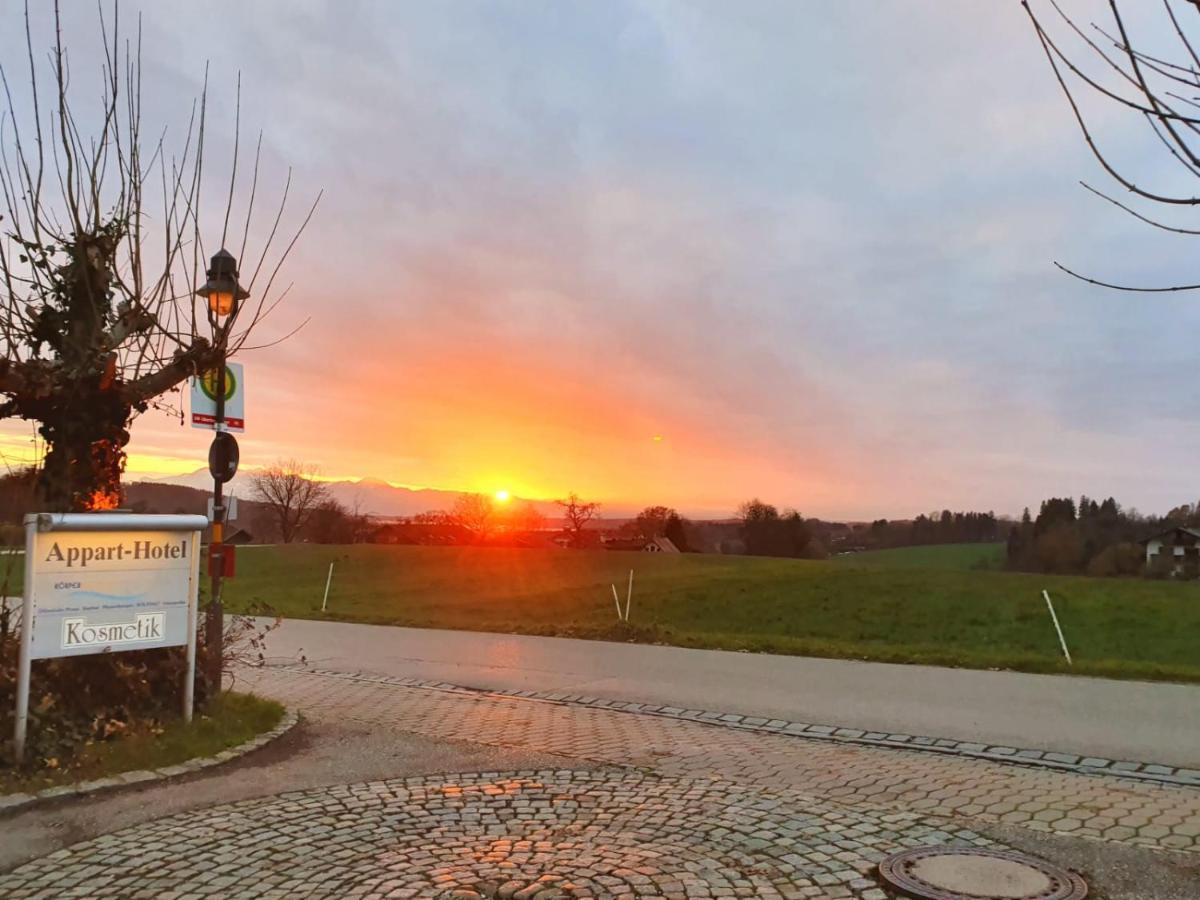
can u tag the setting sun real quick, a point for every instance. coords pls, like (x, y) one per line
(502, 496)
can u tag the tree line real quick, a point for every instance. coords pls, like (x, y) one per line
(765, 531)
(291, 503)
(1092, 537)
(945, 527)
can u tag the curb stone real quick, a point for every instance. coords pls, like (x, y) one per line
(13, 803)
(1153, 773)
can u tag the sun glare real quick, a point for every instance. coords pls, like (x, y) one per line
(502, 496)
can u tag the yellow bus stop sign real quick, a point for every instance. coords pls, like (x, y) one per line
(204, 399)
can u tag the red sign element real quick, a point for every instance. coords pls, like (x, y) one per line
(226, 554)
(205, 419)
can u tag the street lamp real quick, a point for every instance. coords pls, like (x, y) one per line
(223, 294)
(222, 289)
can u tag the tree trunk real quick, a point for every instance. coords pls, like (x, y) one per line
(85, 451)
(286, 531)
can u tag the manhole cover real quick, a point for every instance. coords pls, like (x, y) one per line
(969, 873)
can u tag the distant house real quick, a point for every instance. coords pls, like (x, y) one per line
(660, 545)
(651, 545)
(1176, 550)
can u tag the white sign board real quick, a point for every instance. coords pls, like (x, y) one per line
(204, 399)
(99, 591)
(107, 583)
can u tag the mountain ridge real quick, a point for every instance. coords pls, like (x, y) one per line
(372, 496)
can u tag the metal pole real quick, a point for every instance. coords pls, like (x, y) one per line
(193, 613)
(23, 661)
(214, 620)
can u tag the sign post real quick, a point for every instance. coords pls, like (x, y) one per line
(219, 404)
(107, 582)
(23, 661)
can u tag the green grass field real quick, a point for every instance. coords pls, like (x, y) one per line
(1127, 628)
(936, 556)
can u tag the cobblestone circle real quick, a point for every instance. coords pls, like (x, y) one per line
(525, 835)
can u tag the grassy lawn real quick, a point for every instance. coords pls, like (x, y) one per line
(1127, 628)
(232, 719)
(934, 556)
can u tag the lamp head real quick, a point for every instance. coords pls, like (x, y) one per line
(222, 289)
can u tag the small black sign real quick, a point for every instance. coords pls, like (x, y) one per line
(223, 457)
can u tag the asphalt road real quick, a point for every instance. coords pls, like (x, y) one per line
(1132, 720)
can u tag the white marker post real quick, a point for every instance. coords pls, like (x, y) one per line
(1061, 640)
(617, 603)
(328, 580)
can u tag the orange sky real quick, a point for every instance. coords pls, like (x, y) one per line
(490, 417)
(479, 422)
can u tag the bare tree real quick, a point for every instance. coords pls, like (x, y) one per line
(527, 518)
(361, 526)
(475, 513)
(576, 515)
(291, 492)
(101, 250)
(1159, 88)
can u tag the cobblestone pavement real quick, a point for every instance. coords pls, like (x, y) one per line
(1156, 773)
(1109, 808)
(678, 809)
(543, 835)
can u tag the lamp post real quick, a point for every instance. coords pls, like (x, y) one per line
(223, 294)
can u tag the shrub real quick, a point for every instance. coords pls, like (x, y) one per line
(78, 700)
(1118, 559)
(815, 550)
(1059, 550)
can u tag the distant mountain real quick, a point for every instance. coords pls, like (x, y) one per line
(199, 479)
(371, 496)
(378, 498)
(160, 497)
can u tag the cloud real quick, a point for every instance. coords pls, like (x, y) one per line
(810, 246)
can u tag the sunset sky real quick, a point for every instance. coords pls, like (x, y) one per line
(686, 253)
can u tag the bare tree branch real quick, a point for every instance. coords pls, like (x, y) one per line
(1121, 287)
(92, 325)
(1153, 81)
(1137, 215)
